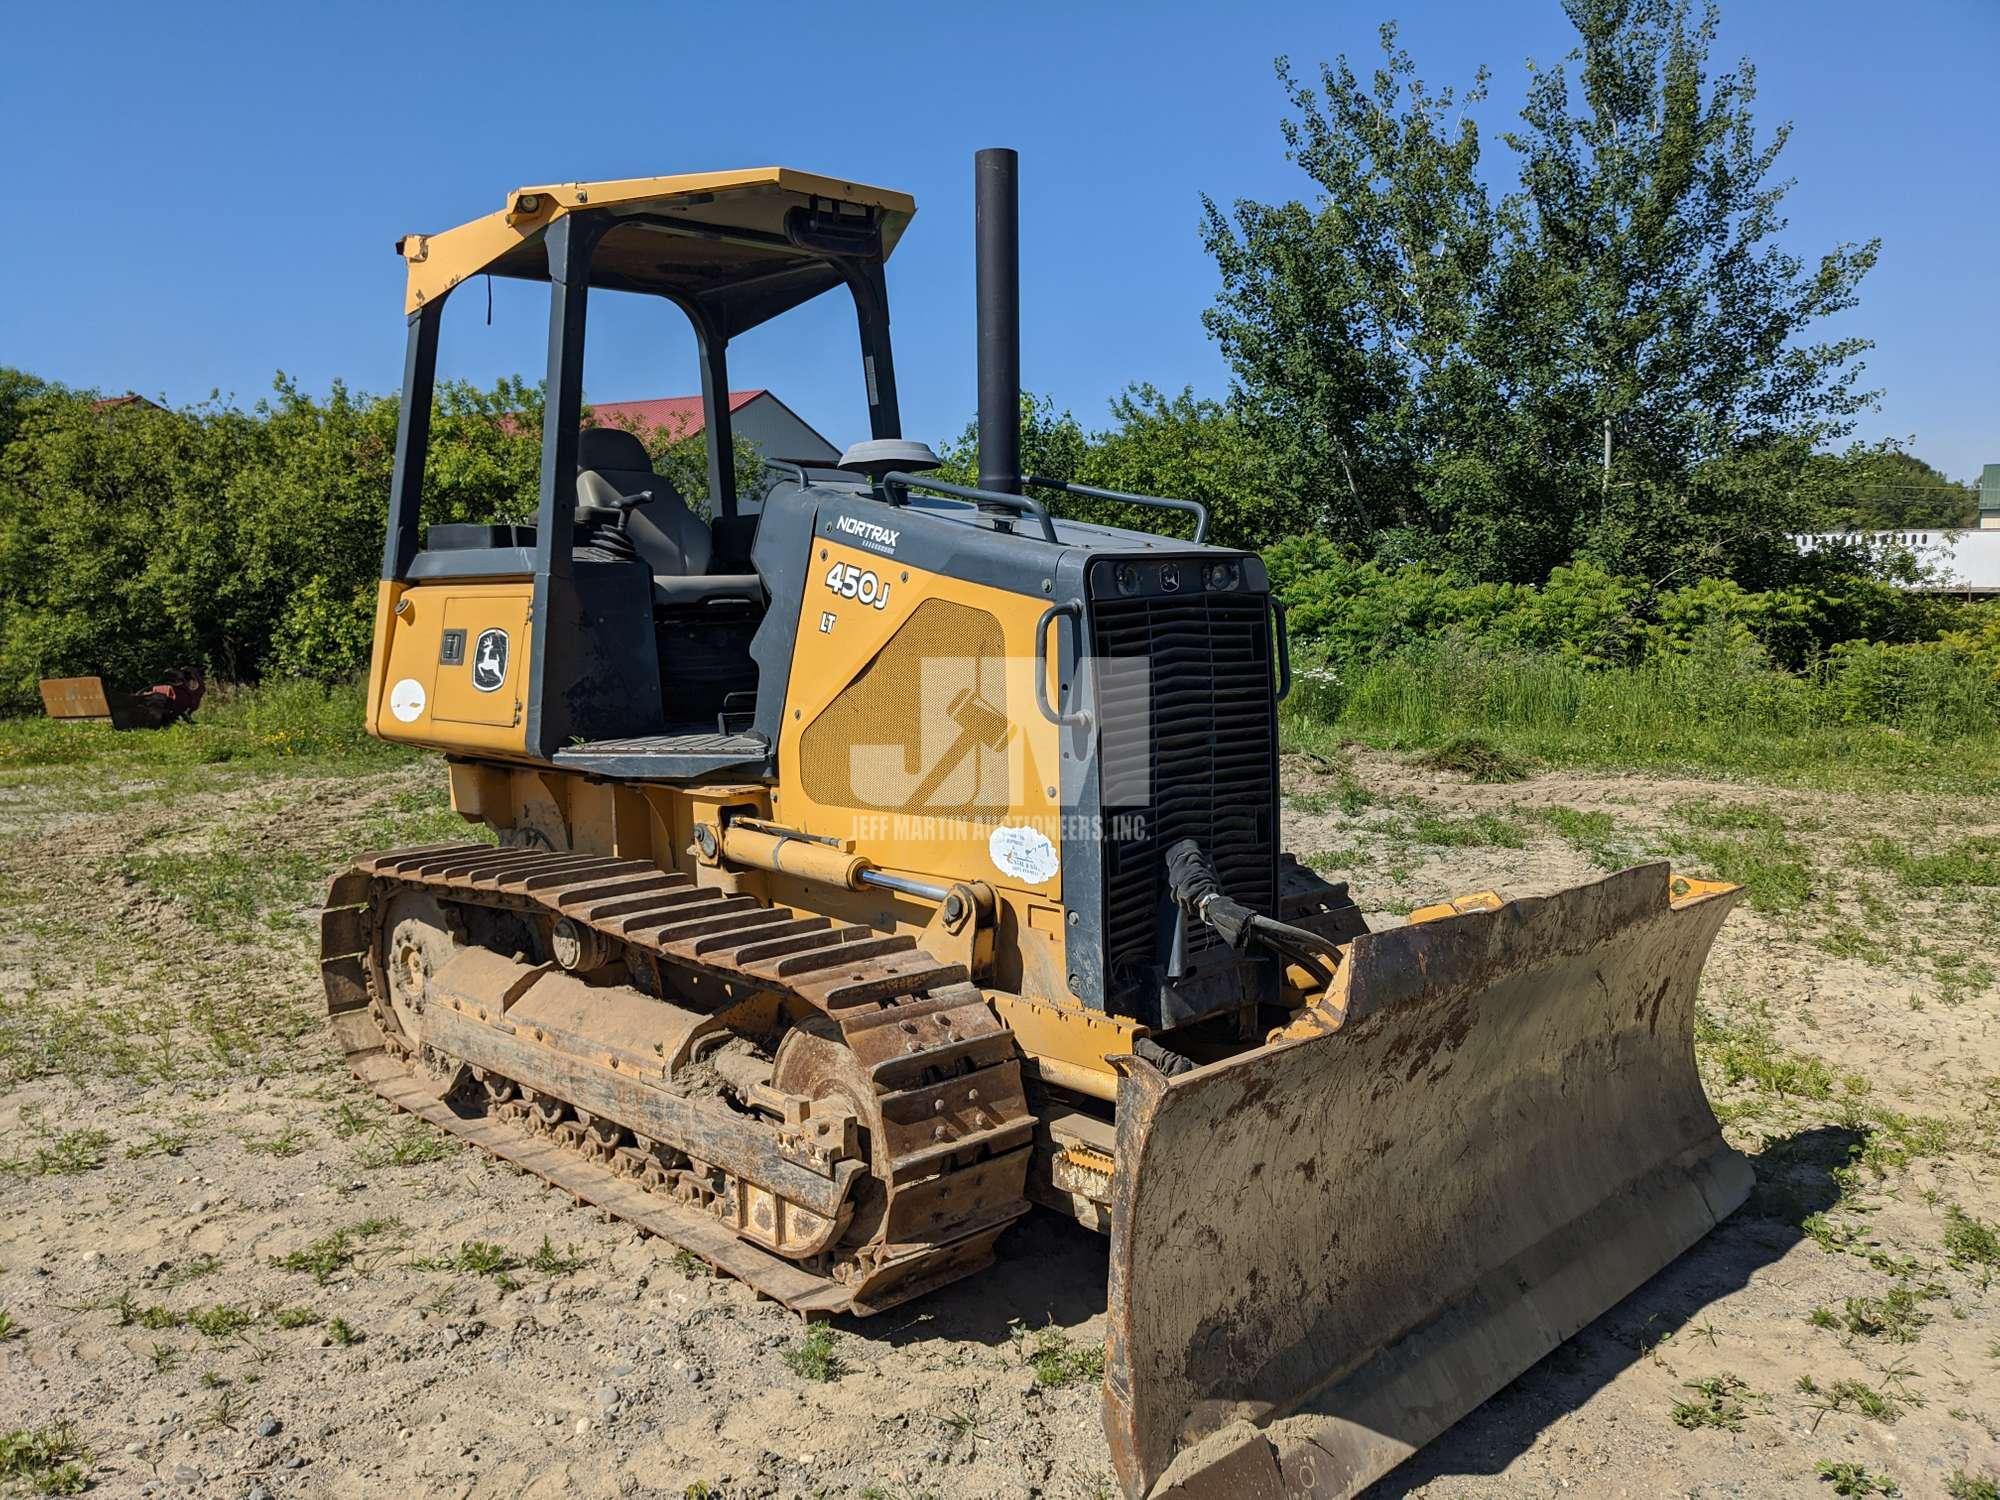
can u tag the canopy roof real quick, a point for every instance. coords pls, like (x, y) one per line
(729, 242)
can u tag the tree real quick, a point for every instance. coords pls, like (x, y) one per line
(1447, 372)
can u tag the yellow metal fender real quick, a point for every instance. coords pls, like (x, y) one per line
(1326, 1251)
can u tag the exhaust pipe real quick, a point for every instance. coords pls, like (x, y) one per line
(996, 206)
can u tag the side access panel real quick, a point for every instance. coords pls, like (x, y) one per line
(451, 664)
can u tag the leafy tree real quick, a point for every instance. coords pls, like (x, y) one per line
(1442, 370)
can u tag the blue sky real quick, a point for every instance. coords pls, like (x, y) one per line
(203, 194)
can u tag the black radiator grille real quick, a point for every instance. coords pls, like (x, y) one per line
(1187, 750)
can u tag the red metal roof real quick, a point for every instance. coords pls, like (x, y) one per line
(682, 416)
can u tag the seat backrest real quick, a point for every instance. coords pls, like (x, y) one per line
(673, 540)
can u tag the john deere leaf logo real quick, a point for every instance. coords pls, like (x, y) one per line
(489, 660)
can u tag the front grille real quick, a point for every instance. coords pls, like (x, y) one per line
(1187, 749)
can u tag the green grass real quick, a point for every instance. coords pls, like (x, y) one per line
(1768, 865)
(815, 1356)
(1745, 1052)
(1853, 1479)
(1594, 835)
(1480, 831)
(220, 1321)
(295, 1317)
(48, 1460)
(1718, 1402)
(1716, 711)
(1896, 1316)
(11, 1328)
(1963, 862)
(279, 722)
(1055, 1361)
(1970, 1241)
(415, 1144)
(343, 1333)
(331, 1254)
(227, 890)
(1964, 1486)
(69, 1154)
(476, 1258)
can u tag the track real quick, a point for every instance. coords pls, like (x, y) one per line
(878, 1154)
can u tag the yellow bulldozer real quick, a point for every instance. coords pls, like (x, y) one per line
(897, 856)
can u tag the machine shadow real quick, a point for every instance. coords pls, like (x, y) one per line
(1050, 1271)
(1794, 1181)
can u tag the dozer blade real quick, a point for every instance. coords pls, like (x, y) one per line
(1326, 1251)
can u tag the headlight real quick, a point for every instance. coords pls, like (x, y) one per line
(1127, 578)
(1224, 575)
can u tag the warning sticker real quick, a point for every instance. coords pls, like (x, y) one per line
(406, 700)
(1024, 853)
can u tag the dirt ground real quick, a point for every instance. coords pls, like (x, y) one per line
(233, 1274)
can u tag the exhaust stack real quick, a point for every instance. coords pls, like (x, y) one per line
(996, 204)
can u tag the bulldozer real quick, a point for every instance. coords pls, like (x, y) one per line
(873, 864)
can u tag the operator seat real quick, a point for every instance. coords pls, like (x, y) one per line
(614, 474)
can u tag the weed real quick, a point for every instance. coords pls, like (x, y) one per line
(1591, 834)
(1718, 1403)
(1897, 1315)
(220, 1321)
(227, 890)
(1476, 757)
(11, 1328)
(164, 1357)
(295, 1317)
(225, 1410)
(413, 1146)
(156, 1318)
(331, 1254)
(1964, 1486)
(1746, 1052)
(1768, 865)
(1480, 831)
(1970, 1241)
(1845, 941)
(1853, 1479)
(548, 1261)
(1967, 862)
(1823, 1317)
(50, 1460)
(1863, 1398)
(73, 1152)
(192, 1269)
(1048, 1353)
(343, 1332)
(688, 1264)
(159, 1143)
(814, 1356)
(288, 1142)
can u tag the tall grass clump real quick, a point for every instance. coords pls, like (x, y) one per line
(1715, 705)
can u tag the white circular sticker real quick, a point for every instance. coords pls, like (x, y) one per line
(406, 700)
(1024, 853)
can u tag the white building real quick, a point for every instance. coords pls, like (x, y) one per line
(1952, 560)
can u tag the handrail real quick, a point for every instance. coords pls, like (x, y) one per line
(1023, 504)
(1162, 502)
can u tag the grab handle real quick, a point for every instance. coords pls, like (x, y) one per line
(1074, 719)
(1284, 649)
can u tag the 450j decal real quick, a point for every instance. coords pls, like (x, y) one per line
(851, 582)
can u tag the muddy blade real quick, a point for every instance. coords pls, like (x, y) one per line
(1326, 1252)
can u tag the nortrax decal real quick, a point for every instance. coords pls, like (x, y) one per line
(868, 531)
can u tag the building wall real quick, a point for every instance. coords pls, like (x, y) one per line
(1957, 561)
(779, 433)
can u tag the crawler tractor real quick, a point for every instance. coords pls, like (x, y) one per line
(883, 862)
